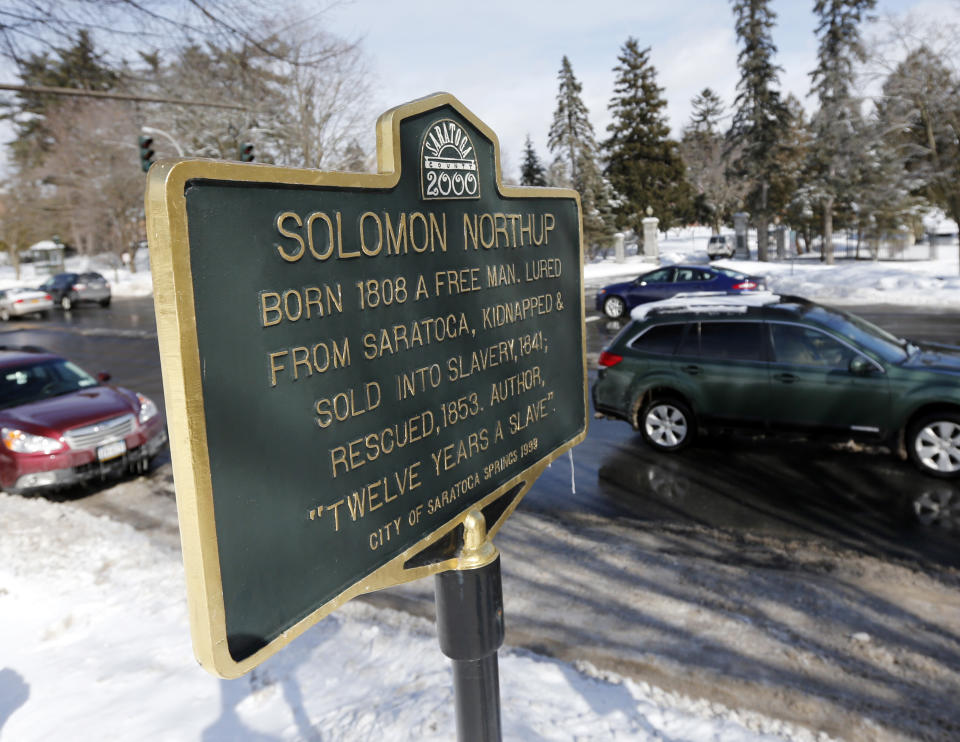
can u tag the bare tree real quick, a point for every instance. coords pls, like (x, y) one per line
(92, 177)
(22, 219)
(29, 27)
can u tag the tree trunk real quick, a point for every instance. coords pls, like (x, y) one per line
(827, 251)
(763, 224)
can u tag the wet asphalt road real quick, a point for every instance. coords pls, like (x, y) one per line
(865, 500)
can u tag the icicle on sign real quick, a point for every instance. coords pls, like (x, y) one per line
(351, 362)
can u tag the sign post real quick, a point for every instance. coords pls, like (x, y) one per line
(362, 371)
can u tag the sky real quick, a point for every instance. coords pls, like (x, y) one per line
(501, 58)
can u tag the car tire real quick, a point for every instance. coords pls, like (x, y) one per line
(614, 307)
(66, 303)
(44, 314)
(667, 424)
(933, 444)
(105, 302)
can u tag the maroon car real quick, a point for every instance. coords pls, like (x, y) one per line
(61, 426)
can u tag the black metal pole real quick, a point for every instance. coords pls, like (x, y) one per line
(470, 628)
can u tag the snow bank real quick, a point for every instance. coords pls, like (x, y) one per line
(918, 281)
(96, 646)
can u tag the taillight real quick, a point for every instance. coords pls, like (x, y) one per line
(609, 359)
(79, 286)
(745, 286)
(48, 297)
(18, 301)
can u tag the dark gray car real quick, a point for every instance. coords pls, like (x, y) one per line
(70, 289)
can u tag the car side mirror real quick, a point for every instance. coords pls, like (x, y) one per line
(860, 366)
(103, 377)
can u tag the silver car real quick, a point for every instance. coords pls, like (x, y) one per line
(21, 301)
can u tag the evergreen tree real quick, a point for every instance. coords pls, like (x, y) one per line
(532, 172)
(571, 134)
(919, 114)
(838, 124)
(707, 161)
(79, 66)
(572, 139)
(644, 167)
(707, 112)
(760, 117)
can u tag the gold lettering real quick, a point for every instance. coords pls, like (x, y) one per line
(265, 309)
(294, 257)
(330, 239)
(370, 252)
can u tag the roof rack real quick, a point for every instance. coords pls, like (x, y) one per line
(703, 301)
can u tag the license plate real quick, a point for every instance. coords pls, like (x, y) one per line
(34, 301)
(111, 450)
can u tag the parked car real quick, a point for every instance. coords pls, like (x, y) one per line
(60, 426)
(721, 246)
(18, 302)
(780, 362)
(617, 299)
(70, 289)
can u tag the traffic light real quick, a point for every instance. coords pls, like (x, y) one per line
(246, 153)
(146, 152)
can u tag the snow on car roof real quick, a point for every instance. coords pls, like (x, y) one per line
(706, 302)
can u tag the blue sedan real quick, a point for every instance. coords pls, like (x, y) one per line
(617, 299)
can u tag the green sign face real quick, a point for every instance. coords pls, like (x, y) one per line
(351, 362)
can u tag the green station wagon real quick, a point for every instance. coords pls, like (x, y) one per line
(780, 363)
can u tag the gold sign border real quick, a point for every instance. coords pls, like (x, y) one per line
(166, 220)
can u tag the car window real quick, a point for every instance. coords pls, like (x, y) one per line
(873, 338)
(692, 274)
(805, 346)
(661, 276)
(33, 382)
(731, 341)
(659, 339)
(732, 274)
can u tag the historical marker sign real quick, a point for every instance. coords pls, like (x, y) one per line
(351, 362)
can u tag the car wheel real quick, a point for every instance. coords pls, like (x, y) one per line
(66, 303)
(938, 507)
(105, 302)
(44, 314)
(614, 307)
(667, 424)
(933, 444)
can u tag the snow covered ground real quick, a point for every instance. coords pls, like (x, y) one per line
(95, 646)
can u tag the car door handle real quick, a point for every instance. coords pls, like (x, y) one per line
(786, 378)
(692, 370)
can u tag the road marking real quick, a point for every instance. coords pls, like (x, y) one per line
(593, 319)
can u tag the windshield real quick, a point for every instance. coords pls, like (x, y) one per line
(888, 347)
(42, 380)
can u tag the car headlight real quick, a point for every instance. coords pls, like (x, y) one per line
(148, 409)
(21, 442)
